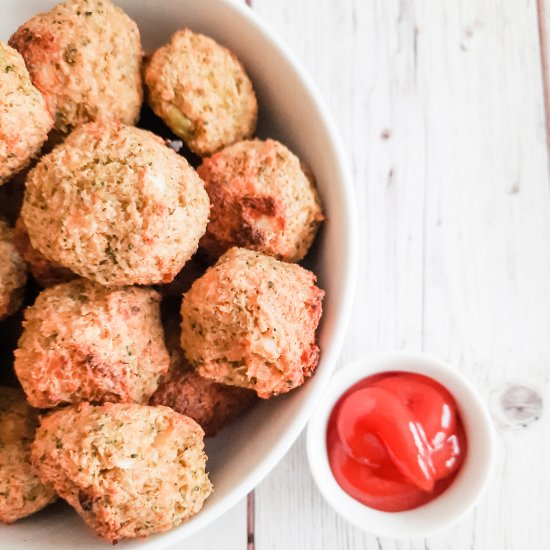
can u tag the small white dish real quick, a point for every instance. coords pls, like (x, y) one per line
(466, 488)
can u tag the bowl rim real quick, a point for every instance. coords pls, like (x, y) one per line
(349, 257)
(424, 520)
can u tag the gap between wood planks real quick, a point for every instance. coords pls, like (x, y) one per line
(545, 68)
(250, 521)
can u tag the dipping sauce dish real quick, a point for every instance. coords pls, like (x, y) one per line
(401, 445)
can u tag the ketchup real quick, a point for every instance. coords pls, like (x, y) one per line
(395, 441)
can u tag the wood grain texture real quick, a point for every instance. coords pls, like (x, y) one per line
(441, 106)
(543, 17)
(230, 531)
(227, 533)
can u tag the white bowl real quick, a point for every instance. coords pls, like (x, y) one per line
(466, 487)
(290, 110)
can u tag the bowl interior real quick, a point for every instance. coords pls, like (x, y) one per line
(465, 489)
(291, 111)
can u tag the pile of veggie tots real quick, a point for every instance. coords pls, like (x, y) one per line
(104, 220)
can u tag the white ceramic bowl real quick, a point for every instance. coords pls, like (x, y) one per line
(292, 111)
(461, 494)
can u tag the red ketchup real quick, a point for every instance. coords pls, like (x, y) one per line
(395, 441)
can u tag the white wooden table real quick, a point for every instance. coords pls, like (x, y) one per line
(443, 106)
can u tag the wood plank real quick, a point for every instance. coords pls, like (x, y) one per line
(543, 18)
(441, 107)
(349, 51)
(487, 266)
(227, 532)
(230, 530)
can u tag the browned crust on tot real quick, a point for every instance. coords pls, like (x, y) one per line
(261, 199)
